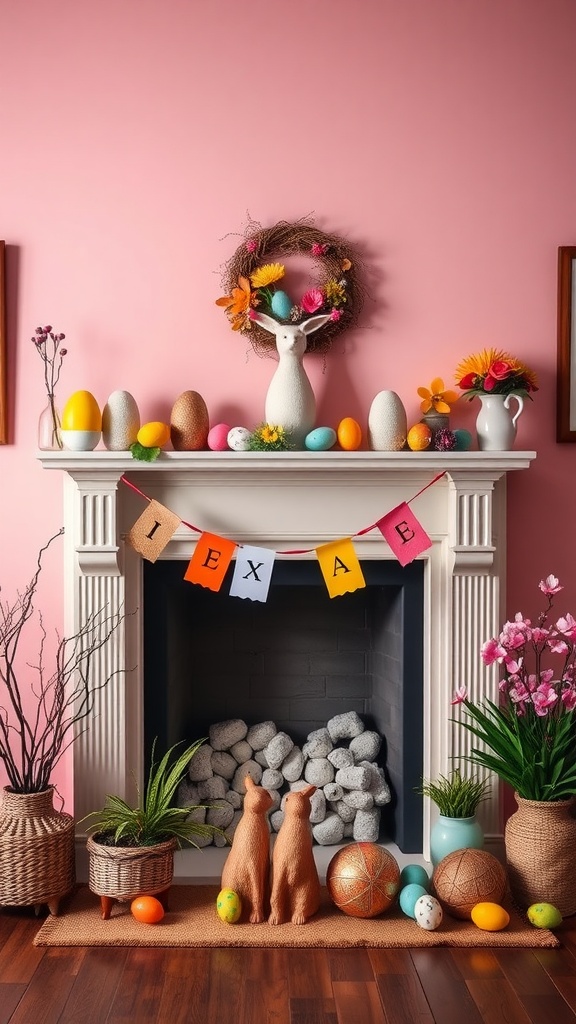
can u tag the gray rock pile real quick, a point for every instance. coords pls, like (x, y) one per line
(340, 760)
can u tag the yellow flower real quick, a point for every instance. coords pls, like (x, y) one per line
(436, 398)
(335, 292)
(269, 434)
(268, 274)
(479, 365)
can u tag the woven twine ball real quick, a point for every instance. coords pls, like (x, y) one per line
(363, 879)
(467, 877)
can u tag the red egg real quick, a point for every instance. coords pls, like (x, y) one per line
(147, 909)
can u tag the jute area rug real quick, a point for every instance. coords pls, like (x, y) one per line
(192, 921)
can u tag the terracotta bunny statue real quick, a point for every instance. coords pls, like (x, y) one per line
(247, 866)
(295, 882)
(290, 401)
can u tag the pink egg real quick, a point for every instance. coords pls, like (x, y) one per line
(218, 437)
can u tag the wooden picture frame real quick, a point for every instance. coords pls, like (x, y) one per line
(566, 360)
(3, 368)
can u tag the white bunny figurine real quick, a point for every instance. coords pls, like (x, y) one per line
(290, 401)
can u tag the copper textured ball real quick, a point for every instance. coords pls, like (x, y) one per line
(467, 877)
(363, 879)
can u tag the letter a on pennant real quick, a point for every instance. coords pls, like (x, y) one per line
(340, 567)
(210, 560)
(404, 534)
(252, 573)
(152, 531)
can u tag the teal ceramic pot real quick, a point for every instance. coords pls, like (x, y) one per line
(450, 834)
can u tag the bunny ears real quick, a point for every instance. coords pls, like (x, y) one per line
(251, 280)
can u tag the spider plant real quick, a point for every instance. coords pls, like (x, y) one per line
(455, 796)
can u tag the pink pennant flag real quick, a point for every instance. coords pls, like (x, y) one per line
(404, 534)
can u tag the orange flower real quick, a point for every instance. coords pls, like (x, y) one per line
(436, 398)
(238, 304)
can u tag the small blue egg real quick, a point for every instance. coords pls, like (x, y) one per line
(463, 440)
(414, 873)
(320, 439)
(281, 305)
(408, 896)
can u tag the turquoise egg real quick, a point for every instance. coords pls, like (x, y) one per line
(320, 439)
(408, 896)
(463, 440)
(281, 305)
(414, 873)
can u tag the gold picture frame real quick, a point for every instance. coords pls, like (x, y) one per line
(566, 359)
(3, 368)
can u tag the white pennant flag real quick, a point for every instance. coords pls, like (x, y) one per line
(252, 572)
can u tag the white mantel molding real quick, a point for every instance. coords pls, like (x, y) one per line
(286, 500)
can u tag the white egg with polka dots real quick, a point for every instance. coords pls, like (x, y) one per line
(428, 913)
(239, 439)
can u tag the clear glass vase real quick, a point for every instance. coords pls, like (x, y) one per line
(49, 428)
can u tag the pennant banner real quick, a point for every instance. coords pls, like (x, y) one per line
(152, 531)
(210, 560)
(252, 573)
(404, 533)
(340, 567)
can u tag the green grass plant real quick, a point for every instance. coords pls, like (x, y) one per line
(455, 796)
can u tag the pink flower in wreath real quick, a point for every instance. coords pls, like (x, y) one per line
(319, 249)
(312, 300)
(336, 315)
(251, 245)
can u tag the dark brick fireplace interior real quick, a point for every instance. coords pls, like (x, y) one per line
(299, 659)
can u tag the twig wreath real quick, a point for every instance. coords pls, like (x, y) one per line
(251, 278)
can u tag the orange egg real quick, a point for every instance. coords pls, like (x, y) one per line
(147, 909)
(349, 434)
(419, 437)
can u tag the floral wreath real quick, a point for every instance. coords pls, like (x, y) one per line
(251, 278)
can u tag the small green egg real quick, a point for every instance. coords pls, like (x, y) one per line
(544, 915)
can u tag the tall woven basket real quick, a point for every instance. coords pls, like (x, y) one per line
(540, 840)
(124, 872)
(36, 850)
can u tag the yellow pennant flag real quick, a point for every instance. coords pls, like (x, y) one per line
(340, 567)
(152, 531)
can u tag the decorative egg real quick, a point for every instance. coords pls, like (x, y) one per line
(428, 913)
(189, 423)
(147, 909)
(228, 906)
(218, 437)
(120, 421)
(414, 873)
(408, 896)
(281, 305)
(153, 434)
(81, 422)
(81, 412)
(463, 440)
(349, 434)
(419, 437)
(239, 439)
(320, 439)
(387, 423)
(544, 915)
(490, 917)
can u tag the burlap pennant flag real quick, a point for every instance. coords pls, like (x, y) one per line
(210, 561)
(340, 567)
(153, 530)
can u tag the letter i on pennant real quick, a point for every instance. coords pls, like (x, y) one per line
(152, 531)
(404, 534)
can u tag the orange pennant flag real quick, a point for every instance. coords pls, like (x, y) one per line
(340, 567)
(210, 560)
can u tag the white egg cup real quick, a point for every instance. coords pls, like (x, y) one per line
(80, 440)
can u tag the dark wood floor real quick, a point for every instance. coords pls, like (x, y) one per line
(267, 986)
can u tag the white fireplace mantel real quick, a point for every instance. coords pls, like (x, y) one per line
(285, 500)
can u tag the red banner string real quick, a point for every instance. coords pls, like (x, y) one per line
(293, 551)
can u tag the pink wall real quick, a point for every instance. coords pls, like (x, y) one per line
(135, 136)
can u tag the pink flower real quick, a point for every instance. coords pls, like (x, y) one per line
(519, 694)
(550, 585)
(544, 697)
(568, 698)
(459, 695)
(251, 245)
(500, 369)
(567, 626)
(492, 651)
(318, 249)
(558, 646)
(312, 300)
(335, 315)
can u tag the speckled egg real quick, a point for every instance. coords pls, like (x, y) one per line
(228, 906)
(428, 913)
(120, 421)
(408, 897)
(544, 915)
(153, 434)
(349, 434)
(239, 439)
(189, 423)
(387, 424)
(490, 917)
(320, 439)
(218, 437)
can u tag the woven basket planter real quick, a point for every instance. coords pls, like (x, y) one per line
(37, 862)
(540, 839)
(124, 872)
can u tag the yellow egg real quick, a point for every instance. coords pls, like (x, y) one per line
(349, 434)
(419, 437)
(228, 906)
(81, 412)
(153, 435)
(490, 917)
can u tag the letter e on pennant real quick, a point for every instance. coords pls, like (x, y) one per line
(210, 561)
(404, 534)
